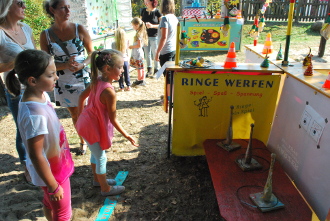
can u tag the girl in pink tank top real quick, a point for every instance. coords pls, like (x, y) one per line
(97, 120)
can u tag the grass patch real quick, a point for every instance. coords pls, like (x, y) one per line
(301, 34)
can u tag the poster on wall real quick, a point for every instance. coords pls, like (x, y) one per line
(202, 108)
(207, 37)
(102, 15)
(206, 34)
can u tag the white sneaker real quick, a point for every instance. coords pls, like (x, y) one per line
(115, 190)
(111, 182)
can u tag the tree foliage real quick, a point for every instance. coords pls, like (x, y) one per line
(36, 18)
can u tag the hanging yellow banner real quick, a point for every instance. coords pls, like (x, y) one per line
(202, 108)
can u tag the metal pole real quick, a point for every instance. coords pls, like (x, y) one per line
(170, 106)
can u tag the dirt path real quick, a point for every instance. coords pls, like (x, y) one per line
(157, 188)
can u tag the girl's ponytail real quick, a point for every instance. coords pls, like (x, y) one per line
(94, 69)
(141, 32)
(12, 83)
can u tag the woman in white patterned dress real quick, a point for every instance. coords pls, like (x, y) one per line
(71, 69)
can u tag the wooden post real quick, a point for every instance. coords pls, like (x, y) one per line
(285, 62)
(323, 42)
(177, 53)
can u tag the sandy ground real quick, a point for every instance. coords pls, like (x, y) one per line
(157, 187)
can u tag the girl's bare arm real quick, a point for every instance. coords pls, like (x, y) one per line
(108, 98)
(35, 149)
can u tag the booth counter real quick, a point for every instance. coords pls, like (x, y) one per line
(290, 112)
(300, 131)
(202, 98)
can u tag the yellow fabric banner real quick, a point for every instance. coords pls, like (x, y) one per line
(202, 108)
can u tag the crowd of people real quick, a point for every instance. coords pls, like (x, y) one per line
(60, 66)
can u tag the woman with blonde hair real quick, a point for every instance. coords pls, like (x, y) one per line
(15, 36)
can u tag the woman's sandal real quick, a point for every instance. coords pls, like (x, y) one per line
(82, 150)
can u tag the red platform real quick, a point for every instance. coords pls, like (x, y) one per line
(228, 177)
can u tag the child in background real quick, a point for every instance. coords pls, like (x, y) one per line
(49, 160)
(97, 120)
(137, 56)
(121, 44)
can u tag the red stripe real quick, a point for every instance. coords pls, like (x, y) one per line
(292, 1)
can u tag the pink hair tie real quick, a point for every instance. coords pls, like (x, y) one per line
(107, 57)
(55, 191)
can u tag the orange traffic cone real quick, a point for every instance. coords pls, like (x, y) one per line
(239, 15)
(268, 46)
(327, 82)
(231, 57)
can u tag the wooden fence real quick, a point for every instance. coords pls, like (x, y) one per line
(305, 10)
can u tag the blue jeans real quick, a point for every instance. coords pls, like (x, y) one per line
(149, 52)
(125, 76)
(13, 106)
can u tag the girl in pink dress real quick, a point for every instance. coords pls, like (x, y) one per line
(97, 120)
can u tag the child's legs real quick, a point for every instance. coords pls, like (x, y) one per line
(98, 157)
(121, 82)
(140, 73)
(59, 210)
(126, 74)
(99, 163)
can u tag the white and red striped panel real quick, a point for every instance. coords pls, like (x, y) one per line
(191, 12)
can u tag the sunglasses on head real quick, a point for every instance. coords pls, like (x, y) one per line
(21, 4)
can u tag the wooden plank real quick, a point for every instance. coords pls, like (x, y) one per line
(296, 70)
(218, 66)
(227, 178)
(316, 81)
